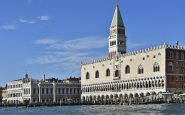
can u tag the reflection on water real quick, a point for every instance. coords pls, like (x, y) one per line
(153, 109)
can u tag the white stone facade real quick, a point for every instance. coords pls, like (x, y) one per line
(128, 82)
(42, 91)
(127, 75)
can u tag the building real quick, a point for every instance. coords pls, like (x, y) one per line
(127, 76)
(28, 90)
(1, 94)
(4, 95)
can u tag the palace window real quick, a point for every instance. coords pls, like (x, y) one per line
(42, 90)
(63, 91)
(46, 90)
(182, 55)
(177, 55)
(70, 90)
(140, 69)
(156, 67)
(127, 69)
(170, 54)
(87, 75)
(74, 90)
(117, 73)
(177, 64)
(177, 78)
(51, 90)
(59, 90)
(97, 74)
(34, 90)
(170, 67)
(66, 90)
(108, 72)
(182, 78)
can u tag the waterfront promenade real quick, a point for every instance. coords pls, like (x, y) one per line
(154, 99)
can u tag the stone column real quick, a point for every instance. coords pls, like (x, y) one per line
(30, 84)
(165, 83)
(54, 92)
(39, 92)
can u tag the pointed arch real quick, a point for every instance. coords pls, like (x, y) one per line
(182, 56)
(156, 67)
(108, 72)
(170, 67)
(87, 75)
(140, 69)
(117, 73)
(170, 54)
(127, 69)
(177, 55)
(97, 74)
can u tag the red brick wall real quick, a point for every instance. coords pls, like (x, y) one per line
(175, 78)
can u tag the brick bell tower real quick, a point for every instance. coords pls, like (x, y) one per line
(117, 38)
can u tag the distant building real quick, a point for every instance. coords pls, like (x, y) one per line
(132, 75)
(42, 91)
(1, 94)
(4, 95)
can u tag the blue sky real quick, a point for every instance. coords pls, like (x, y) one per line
(52, 36)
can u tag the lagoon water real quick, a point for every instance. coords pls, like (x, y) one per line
(153, 109)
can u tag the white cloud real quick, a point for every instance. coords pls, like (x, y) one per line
(46, 41)
(85, 43)
(82, 44)
(34, 20)
(44, 18)
(8, 27)
(27, 21)
(46, 59)
(56, 57)
(67, 55)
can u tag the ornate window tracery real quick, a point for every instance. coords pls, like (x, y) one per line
(140, 69)
(127, 69)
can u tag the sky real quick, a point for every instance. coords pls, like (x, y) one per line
(52, 37)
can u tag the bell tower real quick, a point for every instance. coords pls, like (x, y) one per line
(117, 37)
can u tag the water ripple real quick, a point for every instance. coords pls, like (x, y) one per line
(153, 109)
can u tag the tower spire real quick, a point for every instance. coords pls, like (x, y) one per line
(116, 2)
(117, 18)
(117, 38)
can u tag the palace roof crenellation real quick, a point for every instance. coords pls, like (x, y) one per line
(177, 47)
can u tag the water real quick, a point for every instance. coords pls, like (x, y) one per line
(162, 109)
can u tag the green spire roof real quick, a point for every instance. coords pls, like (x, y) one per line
(117, 19)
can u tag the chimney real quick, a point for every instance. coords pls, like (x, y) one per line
(177, 43)
(44, 77)
(26, 76)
